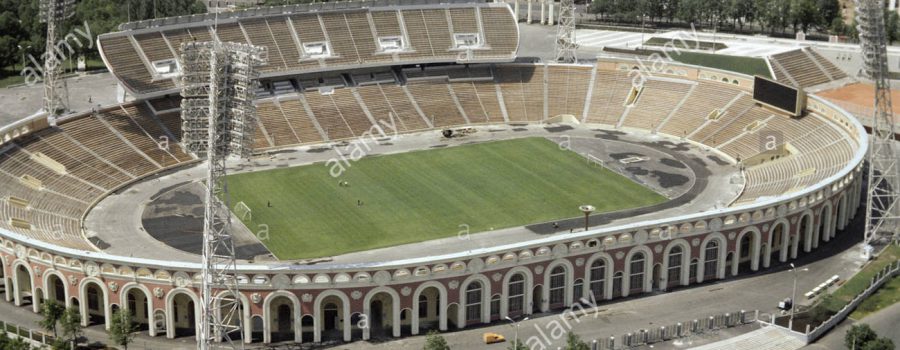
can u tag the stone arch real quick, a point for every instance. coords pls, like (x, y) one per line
(841, 219)
(171, 320)
(683, 272)
(84, 289)
(590, 280)
(318, 318)
(247, 323)
(825, 225)
(6, 281)
(23, 282)
(569, 282)
(752, 251)
(485, 299)
(804, 230)
(148, 299)
(784, 226)
(528, 283)
(648, 270)
(721, 256)
(50, 290)
(442, 305)
(395, 310)
(269, 315)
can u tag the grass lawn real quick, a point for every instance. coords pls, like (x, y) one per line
(860, 281)
(424, 195)
(887, 295)
(746, 65)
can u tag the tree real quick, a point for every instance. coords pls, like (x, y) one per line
(742, 11)
(892, 26)
(830, 9)
(879, 344)
(52, 312)
(122, 329)
(70, 323)
(858, 335)
(805, 14)
(574, 342)
(7, 343)
(517, 345)
(434, 341)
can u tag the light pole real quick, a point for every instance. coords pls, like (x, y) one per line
(794, 296)
(587, 210)
(22, 51)
(516, 325)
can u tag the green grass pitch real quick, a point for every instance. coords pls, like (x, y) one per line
(423, 195)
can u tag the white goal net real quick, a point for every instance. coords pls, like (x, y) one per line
(243, 211)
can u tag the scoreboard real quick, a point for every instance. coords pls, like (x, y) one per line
(783, 97)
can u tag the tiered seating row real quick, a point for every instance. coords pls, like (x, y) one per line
(658, 99)
(351, 36)
(806, 67)
(100, 153)
(49, 179)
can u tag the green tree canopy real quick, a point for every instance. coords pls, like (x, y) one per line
(434, 341)
(858, 335)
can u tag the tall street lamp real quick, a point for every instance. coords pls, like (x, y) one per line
(794, 296)
(516, 325)
(587, 210)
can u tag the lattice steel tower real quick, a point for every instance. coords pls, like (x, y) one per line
(882, 204)
(218, 120)
(53, 13)
(565, 32)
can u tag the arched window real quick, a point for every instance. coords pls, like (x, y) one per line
(558, 285)
(617, 284)
(473, 301)
(516, 295)
(636, 280)
(598, 279)
(577, 290)
(423, 306)
(711, 260)
(693, 270)
(495, 307)
(674, 273)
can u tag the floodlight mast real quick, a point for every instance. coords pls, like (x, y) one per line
(53, 13)
(882, 206)
(565, 33)
(218, 120)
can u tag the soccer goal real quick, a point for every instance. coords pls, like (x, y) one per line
(243, 211)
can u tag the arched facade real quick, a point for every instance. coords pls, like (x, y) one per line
(461, 288)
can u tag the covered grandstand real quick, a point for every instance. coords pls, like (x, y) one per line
(334, 74)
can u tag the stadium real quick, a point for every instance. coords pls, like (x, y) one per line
(413, 171)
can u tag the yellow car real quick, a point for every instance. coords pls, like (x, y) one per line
(491, 338)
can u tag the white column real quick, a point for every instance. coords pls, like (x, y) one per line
(529, 12)
(516, 10)
(543, 12)
(550, 18)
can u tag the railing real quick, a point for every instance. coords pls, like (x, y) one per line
(711, 324)
(880, 278)
(812, 334)
(34, 337)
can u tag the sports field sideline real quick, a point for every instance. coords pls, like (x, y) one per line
(429, 194)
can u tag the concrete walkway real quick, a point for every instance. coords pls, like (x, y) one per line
(768, 338)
